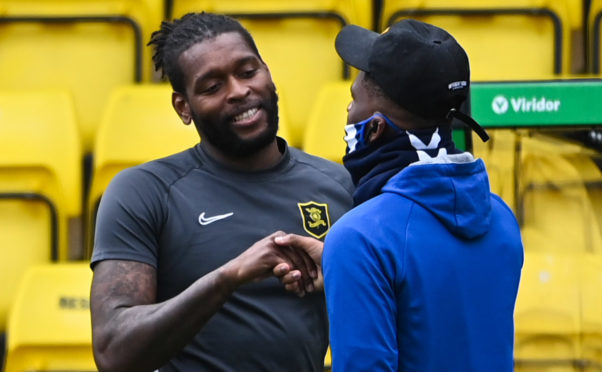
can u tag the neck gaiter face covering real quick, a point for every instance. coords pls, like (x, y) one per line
(372, 165)
(356, 136)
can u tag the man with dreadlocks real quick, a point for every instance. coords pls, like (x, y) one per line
(183, 257)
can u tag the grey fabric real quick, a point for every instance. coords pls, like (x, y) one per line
(150, 213)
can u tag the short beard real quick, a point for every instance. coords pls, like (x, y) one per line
(219, 132)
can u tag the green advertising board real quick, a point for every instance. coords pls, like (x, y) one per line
(558, 103)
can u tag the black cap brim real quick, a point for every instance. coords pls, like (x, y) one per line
(354, 46)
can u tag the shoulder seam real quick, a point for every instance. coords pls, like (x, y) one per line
(170, 185)
(300, 161)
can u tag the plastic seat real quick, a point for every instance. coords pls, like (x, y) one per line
(499, 155)
(585, 163)
(40, 181)
(325, 128)
(85, 46)
(547, 312)
(49, 327)
(504, 39)
(558, 322)
(328, 360)
(552, 185)
(554, 196)
(595, 35)
(591, 305)
(591, 267)
(296, 39)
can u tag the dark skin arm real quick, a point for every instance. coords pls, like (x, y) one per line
(131, 332)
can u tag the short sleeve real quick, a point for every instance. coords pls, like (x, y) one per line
(129, 218)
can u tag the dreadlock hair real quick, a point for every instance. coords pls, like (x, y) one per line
(176, 36)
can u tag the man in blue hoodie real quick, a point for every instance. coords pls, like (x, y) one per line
(422, 275)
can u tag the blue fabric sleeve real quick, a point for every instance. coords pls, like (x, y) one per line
(361, 300)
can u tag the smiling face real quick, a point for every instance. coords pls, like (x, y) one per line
(229, 95)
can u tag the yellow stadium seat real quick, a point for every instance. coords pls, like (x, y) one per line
(547, 313)
(595, 35)
(554, 199)
(551, 185)
(85, 46)
(296, 39)
(499, 155)
(284, 125)
(40, 181)
(326, 125)
(585, 163)
(504, 39)
(139, 124)
(591, 305)
(328, 361)
(558, 311)
(49, 327)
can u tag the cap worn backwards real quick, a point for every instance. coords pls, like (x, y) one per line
(419, 66)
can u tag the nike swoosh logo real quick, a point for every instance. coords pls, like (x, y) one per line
(207, 220)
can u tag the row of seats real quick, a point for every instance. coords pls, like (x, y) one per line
(554, 188)
(40, 183)
(495, 34)
(99, 96)
(85, 47)
(91, 46)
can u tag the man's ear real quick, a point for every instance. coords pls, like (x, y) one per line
(376, 128)
(180, 104)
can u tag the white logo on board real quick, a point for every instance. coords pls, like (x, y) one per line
(500, 105)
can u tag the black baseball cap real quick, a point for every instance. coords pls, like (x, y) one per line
(419, 66)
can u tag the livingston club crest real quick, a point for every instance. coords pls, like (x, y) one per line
(316, 220)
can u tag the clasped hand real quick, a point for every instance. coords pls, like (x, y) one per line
(303, 273)
(295, 260)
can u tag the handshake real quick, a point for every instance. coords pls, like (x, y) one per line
(295, 260)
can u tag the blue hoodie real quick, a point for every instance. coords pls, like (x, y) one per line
(424, 276)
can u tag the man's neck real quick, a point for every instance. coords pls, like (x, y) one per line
(263, 159)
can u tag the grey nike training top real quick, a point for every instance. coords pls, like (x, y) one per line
(186, 215)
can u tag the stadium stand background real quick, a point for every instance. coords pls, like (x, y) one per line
(79, 102)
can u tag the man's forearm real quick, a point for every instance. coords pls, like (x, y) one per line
(133, 333)
(145, 337)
